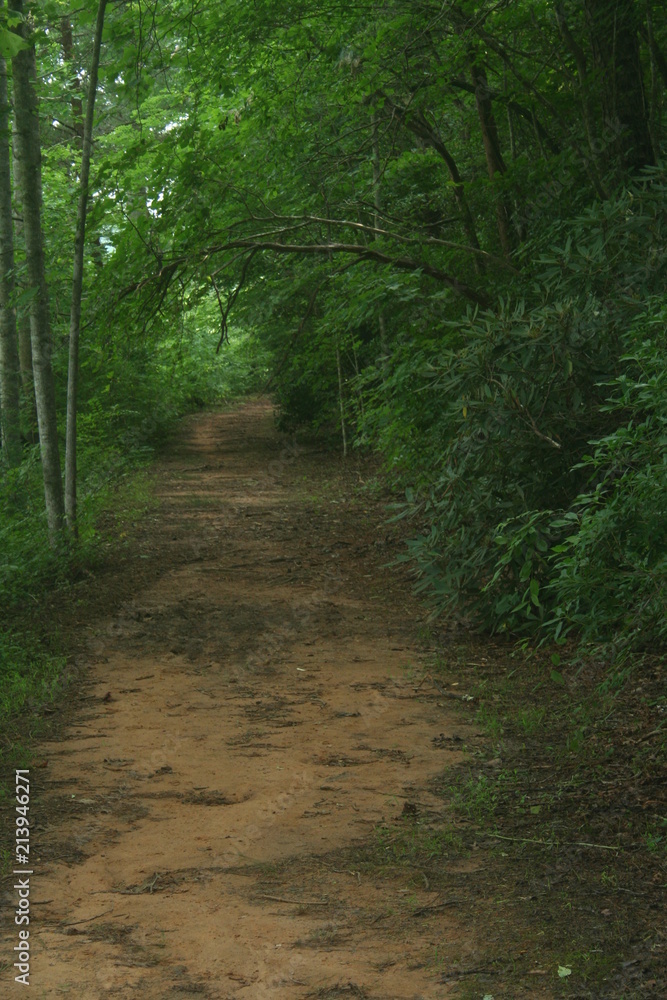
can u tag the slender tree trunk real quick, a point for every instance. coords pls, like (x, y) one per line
(587, 114)
(656, 52)
(67, 43)
(435, 140)
(360, 398)
(494, 158)
(420, 126)
(23, 312)
(341, 400)
(29, 155)
(614, 34)
(377, 204)
(77, 279)
(655, 98)
(510, 120)
(10, 418)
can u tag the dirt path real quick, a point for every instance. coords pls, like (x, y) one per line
(250, 722)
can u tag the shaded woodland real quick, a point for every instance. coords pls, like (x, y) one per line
(431, 230)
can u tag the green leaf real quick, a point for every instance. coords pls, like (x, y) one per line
(11, 44)
(534, 593)
(563, 971)
(557, 678)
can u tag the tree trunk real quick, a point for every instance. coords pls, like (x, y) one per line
(23, 312)
(494, 159)
(67, 44)
(587, 113)
(614, 33)
(341, 401)
(10, 419)
(377, 204)
(77, 279)
(655, 102)
(29, 155)
(420, 126)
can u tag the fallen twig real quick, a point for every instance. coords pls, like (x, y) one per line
(435, 906)
(555, 843)
(296, 902)
(87, 920)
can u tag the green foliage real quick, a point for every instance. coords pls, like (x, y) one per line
(609, 577)
(25, 555)
(476, 797)
(30, 675)
(542, 477)
(411, 844)
(429, 223)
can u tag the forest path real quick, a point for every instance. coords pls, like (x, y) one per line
(249, 722)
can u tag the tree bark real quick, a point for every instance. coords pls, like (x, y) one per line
(77, 279)
(377, 204)
(494, 158)
(10, 419)
(420, 126)
(23, 312)
(29, 155)
(614, 35)
(67, 43)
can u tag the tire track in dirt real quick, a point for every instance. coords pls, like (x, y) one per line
(249, 715)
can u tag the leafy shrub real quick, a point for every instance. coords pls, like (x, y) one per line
(533, 440)
(609, 575)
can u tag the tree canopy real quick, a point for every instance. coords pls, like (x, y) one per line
(436, 229)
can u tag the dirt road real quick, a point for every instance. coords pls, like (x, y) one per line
(252, 718)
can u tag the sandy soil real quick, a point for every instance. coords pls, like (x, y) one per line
(252, 715)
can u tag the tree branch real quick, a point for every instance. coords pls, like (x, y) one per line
(254, 245)
(232, 299)
(367, 253)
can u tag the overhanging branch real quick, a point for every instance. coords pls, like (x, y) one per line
(365, 253)
(262, 243)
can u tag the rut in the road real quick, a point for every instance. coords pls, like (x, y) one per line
(250, 721)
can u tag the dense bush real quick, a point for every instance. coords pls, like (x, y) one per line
(609, 574)
(533, 441)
